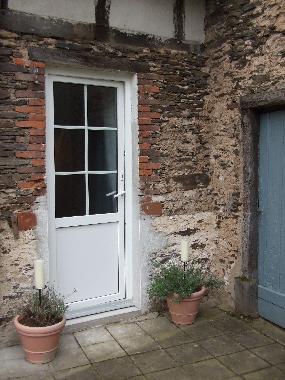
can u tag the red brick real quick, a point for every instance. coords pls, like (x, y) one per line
(143, 159)
(37, 102)
(143, 108)
(151, 115)
(145, 134)
(143, 121)
(25, 62)
(155, 128)
(26, 220)
(37, 147)
(23, 185)
(37, 177)
(30, 154)
(30, 124)
(37, 132)
(148, 89)
(31, 109)
(29, 94)
(152, 208)
(36, 117)
(145, 172)
(38, 162)
(144, 146)
(26, 77)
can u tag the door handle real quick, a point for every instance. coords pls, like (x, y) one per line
(109, 194)
(119, 194)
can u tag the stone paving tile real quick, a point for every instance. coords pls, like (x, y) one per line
(20, 367)
(125, 330)
(271, 373)
(200, 330)
(272, 331)
(103, 351)
(140, 377)
(231, 325)
(79, 373)
(68, 342)
(281, 366)
(208, 370)
(38, 376)
(221, 345)
(153, 361)
(243, 362)
(139, 344)
(252, 339)
(188, 353)
(14, 352)
(165, 332)
(168, 374)
(68, 358)
(92, 336)
(114, 369)
(273, 353)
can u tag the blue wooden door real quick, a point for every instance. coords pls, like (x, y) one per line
(271, 259)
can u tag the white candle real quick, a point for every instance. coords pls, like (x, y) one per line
(39, 273)
(184, 251)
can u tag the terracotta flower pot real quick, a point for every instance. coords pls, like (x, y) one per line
(39, 343)
(185, 312)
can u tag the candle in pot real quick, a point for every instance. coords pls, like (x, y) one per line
(184, 250)
(39, 274)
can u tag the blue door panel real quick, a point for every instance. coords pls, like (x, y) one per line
(271, 259)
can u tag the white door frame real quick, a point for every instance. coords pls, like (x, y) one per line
(132, 275)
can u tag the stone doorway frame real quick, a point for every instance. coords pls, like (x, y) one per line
(251, 107)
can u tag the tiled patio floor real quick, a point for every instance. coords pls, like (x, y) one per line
(217, 347)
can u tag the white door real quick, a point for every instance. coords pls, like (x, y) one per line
(86, 191)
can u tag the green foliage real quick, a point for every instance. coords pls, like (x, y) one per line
(174, 280)
(49, 312)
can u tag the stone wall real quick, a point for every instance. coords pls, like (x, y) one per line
(245, 47)
(171, 87)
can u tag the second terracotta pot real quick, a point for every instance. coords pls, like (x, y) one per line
(185, 312)
(39, 343)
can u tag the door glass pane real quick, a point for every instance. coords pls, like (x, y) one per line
(69, 151)
(102, 150)
(102, 106)
(68, 103)
(99, 187)
(70, 195)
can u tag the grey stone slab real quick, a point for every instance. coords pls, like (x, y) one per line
(168, 374)
(68, 358)
(153, 361)
(79, 373)
(221, 345)
(92, 336)
(243, 362)
(103, 351)
(228, 324)
(138, 344)
(20, 368)
(273, 353)
(271, 373)
(68, 342)
(201, 330)
(125, 330)
(252, 339)
(281, 366)
(208, 370)
(270, 330)
(121, 368)
(165, 332)
(13, 352)
(188, 353)
(38, 376)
